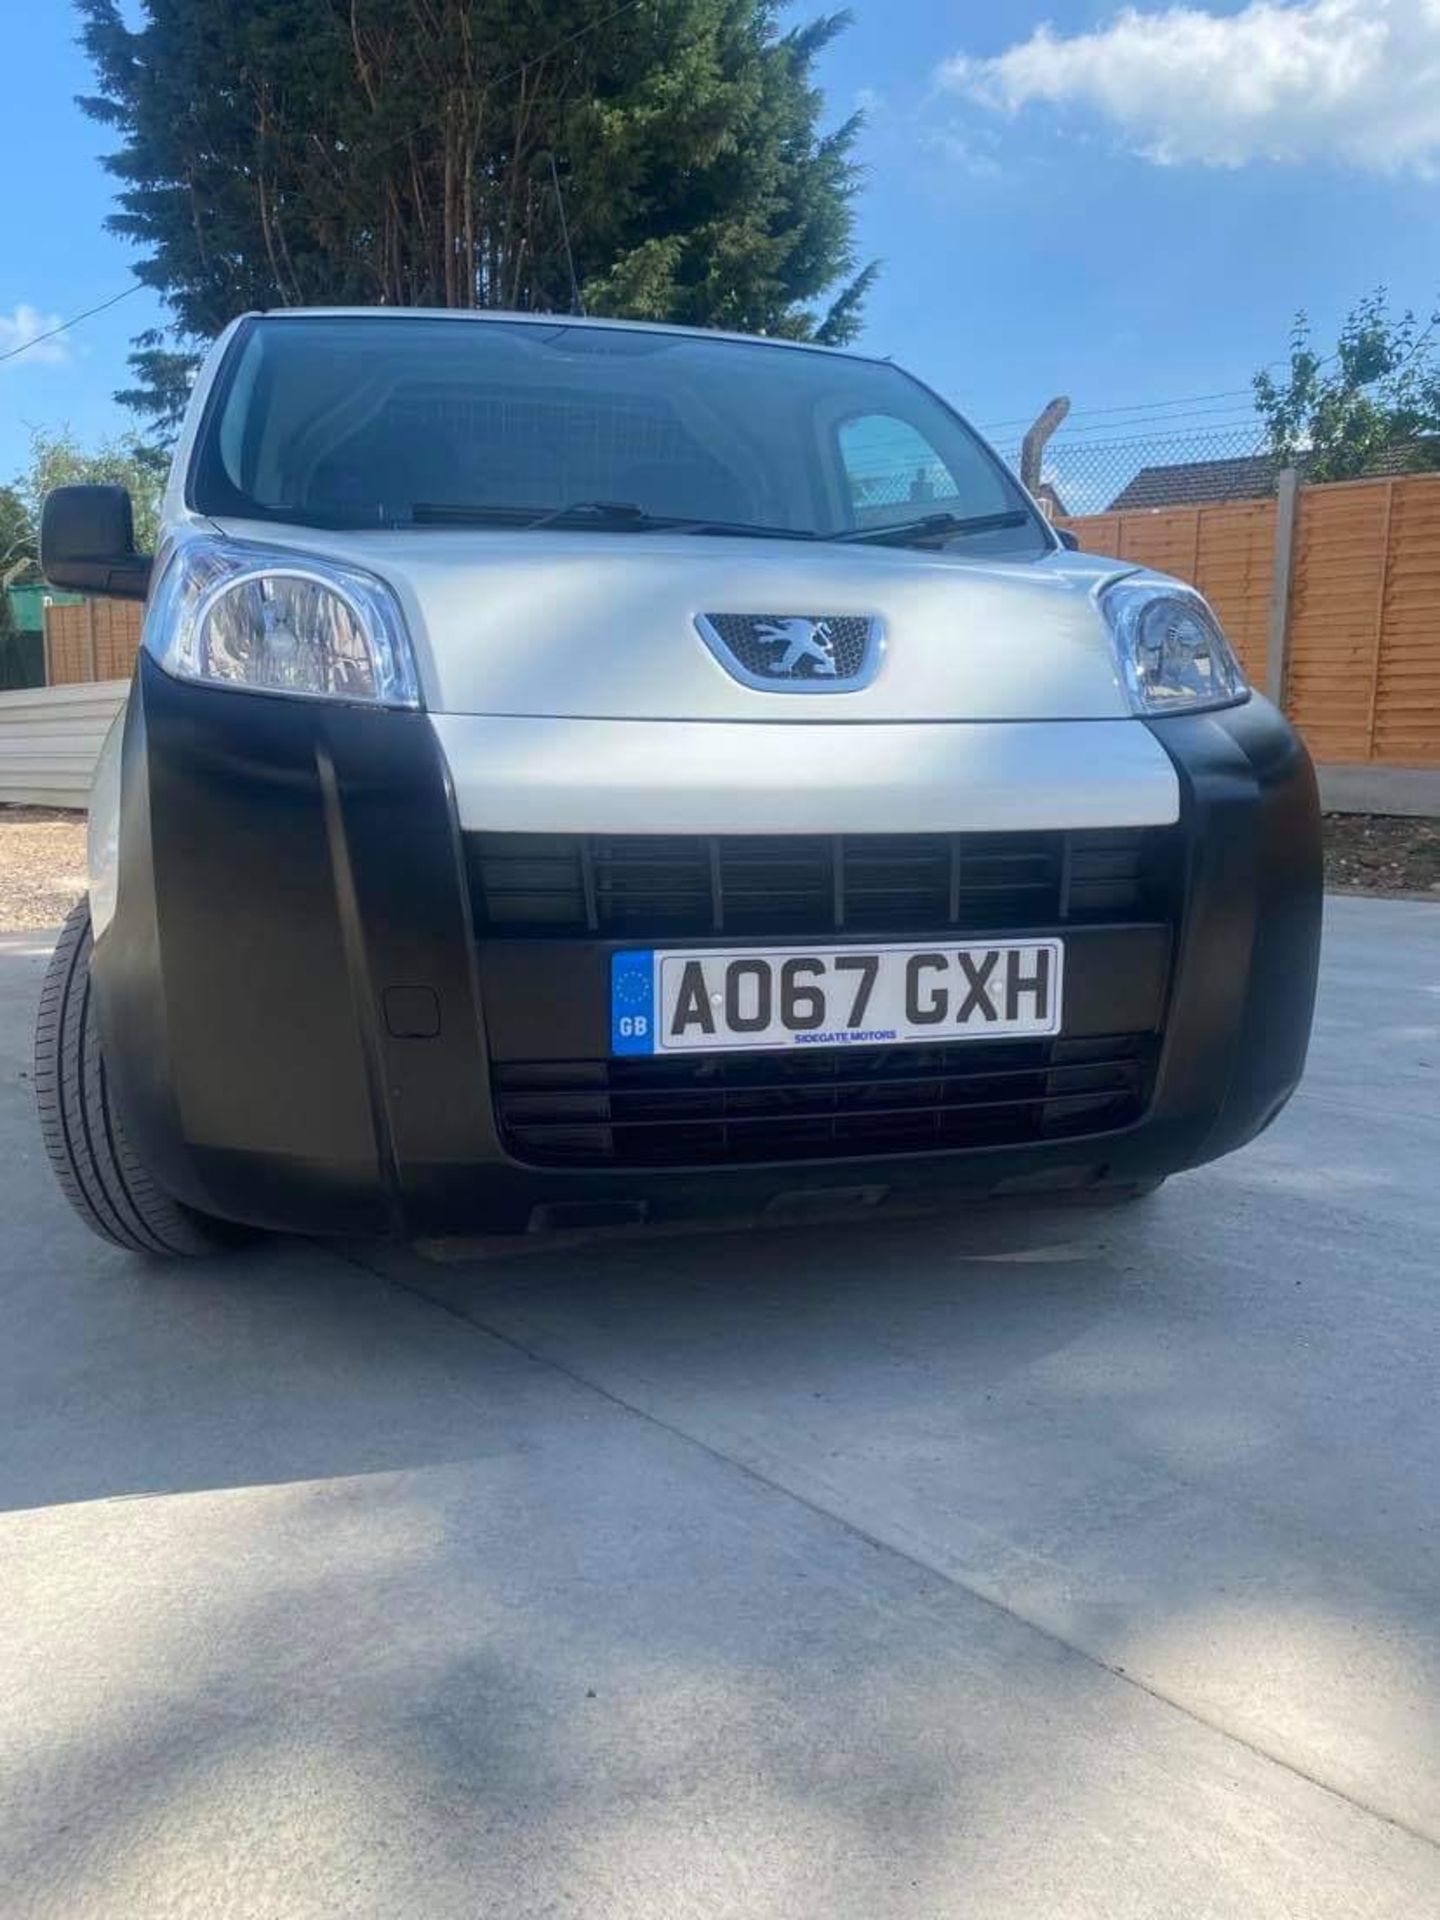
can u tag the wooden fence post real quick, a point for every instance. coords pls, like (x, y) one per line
(1287, 489)
(1380, 596)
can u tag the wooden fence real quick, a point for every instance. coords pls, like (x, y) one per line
(97, 640)
(1331, 596)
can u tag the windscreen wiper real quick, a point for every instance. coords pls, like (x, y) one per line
(621, 514)
(611, 514)
(745, 529)
(625, 516)
(934, 526)
(608, 516)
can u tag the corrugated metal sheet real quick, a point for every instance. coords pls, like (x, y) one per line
(50, 738)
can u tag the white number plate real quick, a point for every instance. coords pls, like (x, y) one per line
(689, 1002)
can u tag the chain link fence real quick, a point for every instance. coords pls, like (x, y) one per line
(1083, 472)
(1095, 473)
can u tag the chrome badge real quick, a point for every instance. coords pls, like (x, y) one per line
(795, 653)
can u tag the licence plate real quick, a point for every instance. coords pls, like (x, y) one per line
(724, 1001)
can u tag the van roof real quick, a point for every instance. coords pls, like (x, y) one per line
(551, 320)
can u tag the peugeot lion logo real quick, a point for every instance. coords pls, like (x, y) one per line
(802, 640)
(796, 653)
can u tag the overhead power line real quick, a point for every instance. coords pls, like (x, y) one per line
(1141, 407)
(1137, 433)
(1226, 442)
(1205, 419)
(1240, 440)
(35, 340)
(1163, 409)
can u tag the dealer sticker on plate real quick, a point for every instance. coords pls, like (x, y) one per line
(717, 1002)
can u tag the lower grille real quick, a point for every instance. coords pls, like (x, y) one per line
(660, 887)
(723, 1110)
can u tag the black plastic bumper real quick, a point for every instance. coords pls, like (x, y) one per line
(292, 1012)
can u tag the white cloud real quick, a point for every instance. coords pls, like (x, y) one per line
(1351, 80)
(965, 150)
(27, 323)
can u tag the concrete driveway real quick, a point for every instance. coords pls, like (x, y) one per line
(1018, 1565)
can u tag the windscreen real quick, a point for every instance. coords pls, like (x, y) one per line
(373, 421)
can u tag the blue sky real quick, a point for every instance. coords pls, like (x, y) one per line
(1123, 207)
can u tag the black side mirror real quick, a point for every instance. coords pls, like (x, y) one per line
(87, 542)
(1070, 541)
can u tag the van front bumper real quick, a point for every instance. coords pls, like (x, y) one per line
(307, 1030)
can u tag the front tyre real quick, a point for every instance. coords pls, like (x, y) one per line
(94, 1162)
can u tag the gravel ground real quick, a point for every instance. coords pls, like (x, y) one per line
(42, 861)
(42, 866)
(1379, 853)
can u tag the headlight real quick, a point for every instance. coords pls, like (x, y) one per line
(270, 621)
(1173, 654)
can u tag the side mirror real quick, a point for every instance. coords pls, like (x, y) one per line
(87, 542)
(1070, 541)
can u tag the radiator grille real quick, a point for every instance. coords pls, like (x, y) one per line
(669, 886)
(743, 635)
(858, 1102)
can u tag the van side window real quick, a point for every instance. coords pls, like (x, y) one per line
(890, 465)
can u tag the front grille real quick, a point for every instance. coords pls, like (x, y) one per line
(721, 1110)
(745, 636)
(673, 886)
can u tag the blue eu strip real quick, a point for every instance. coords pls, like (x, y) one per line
(632, 1003)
